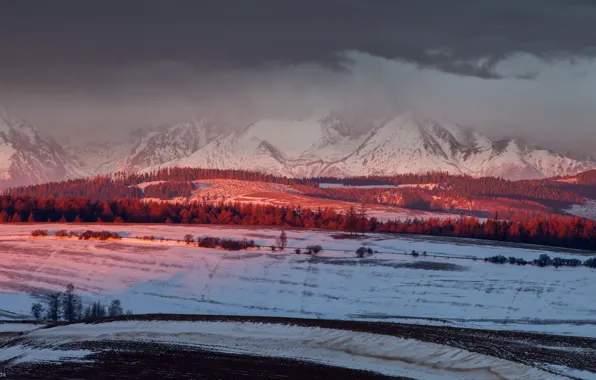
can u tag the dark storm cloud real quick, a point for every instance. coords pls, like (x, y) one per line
(463, 37)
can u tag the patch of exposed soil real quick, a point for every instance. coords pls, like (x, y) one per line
(532, 349)
(126, 360)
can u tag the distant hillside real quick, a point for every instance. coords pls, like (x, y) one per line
(434, 192)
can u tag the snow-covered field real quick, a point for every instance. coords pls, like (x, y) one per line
(383, 354)
(429, 186)
(587, 210)
(218, 190)
(170, 277)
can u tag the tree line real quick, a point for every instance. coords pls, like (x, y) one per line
(68, 306)
(543, 260)
(123, 185)
(556, 230)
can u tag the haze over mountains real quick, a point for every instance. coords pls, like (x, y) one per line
(322, 144)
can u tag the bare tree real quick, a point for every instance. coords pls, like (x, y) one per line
(282, 240)
(97, 310)
(115, 309)
(53, 306)
(71, 304)
(188, 238)
(36, 310)
(362, 215)
(351, 220)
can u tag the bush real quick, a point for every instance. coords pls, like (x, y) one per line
(39, 233)
(543, 261)
(499, 259)
(207, 242)
(101, 235)
(236, 245)
(590, 263)
(188, 238)
(228, 244)
(62, 233)
(362, 251)
(314, 249)
(521, 262)
(559, 262)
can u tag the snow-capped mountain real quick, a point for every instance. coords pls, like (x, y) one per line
(27, 158)
(322, 145)
(290, 147)
(145, 147)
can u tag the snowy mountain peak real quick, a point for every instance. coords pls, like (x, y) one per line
(26, 158)
(324, 143)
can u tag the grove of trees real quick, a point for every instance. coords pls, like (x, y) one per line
(68, 306)
(554, 230)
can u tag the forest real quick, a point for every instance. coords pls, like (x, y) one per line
(486, 196)
(555, 230)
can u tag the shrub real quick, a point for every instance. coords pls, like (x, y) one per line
(362, 251)
(590, 263)
(228, 244)
(314, 248)
(62, 233)
(543, 261)
(499, 259)
(521, 262)
(559, 262)
(101, 235)
(39, 233)
(207, 242)
(188, 238)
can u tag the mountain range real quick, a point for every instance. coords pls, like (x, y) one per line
(322, 144)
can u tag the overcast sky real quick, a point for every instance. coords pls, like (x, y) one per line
(507, 67)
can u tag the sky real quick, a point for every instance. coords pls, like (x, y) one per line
(507, 68)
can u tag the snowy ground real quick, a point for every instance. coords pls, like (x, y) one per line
(587, 210)
(429, 186)
(173, 278)
(385, 354)
(218, 190)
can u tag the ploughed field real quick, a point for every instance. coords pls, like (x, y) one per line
(190, 346)
(437, 296)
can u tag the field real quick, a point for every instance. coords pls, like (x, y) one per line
(283, 195)
(179, 346)
(447, 289)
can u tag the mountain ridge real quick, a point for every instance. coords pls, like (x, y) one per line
(321, 144)
(404, 144)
